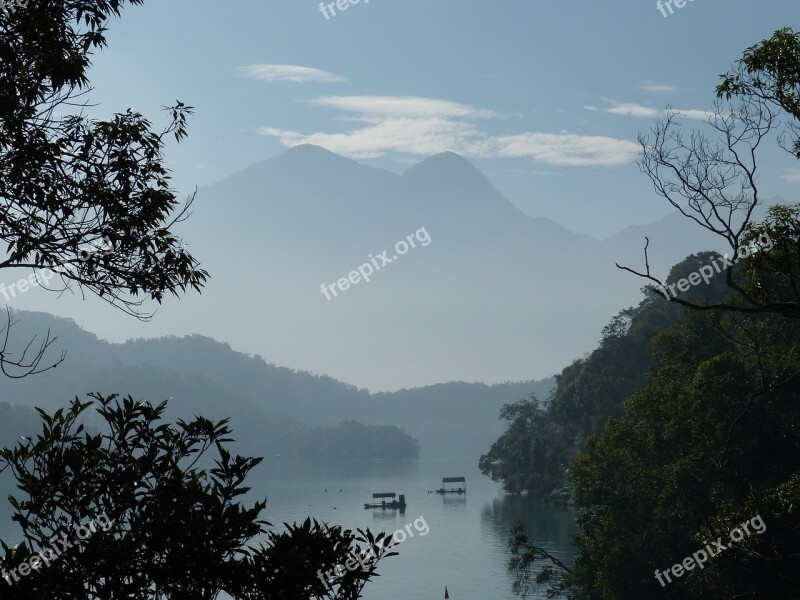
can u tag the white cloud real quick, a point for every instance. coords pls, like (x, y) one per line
(633, 110)
(420, 137)
(401, 106)
(561, 150)
(792, 175)
(425, 126)
(295, 74)
(700, 115)
(660, 88)
(630, 109)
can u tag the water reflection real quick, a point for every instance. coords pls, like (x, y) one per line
(549, 526)
(454, 500)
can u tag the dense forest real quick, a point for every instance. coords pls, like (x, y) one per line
(680, 425)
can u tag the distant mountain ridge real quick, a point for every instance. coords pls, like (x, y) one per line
(497, 295)
(269, 406)
(478, 304)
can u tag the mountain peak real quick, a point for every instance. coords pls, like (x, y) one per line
(309, 150)
(452, 183)
(309, 154)
(446, 162)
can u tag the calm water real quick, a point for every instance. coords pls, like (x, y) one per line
(465, 548)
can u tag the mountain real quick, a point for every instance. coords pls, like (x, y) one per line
(486, 293)
(273, 410)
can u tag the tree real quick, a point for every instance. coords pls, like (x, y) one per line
(68, 182)
(714, 182)
(176, 528)
(534, 453)
(770, 73)
(530, 455)
(710, 442)
(712, 438)
(525, 556)
(688, 407)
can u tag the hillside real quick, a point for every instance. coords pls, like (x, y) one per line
(266, 403)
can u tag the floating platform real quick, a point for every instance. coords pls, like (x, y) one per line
(445, 490)
(399, 503)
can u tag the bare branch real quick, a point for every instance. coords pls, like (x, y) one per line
(22, 365)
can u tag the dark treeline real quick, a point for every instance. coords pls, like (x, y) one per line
(353, 441)
(257, 430)
(272, 409)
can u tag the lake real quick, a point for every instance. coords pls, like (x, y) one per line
(465, 548)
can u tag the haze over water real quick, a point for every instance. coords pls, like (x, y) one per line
(466, 548)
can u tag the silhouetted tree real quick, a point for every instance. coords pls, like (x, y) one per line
(69, 182)
(176, 526)
(713, 180)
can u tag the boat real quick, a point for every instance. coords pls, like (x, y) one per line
(383, 504)
(452, 490)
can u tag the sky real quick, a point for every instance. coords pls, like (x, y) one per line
(546, 97)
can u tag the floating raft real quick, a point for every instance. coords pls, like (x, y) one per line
(400, 503)
(445, 490)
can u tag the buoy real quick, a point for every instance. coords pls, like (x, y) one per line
(446, 593)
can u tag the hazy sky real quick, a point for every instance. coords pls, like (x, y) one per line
(545, 96)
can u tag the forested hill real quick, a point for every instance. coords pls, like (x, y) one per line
(273, 409)
(545, 434)
(682, 426)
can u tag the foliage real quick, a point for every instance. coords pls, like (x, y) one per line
(713, 179)
(68, 181)
(529, 456)
(770, 72)
(534, 453)
(712, 430)
(700, 436)
(711, 438)
(179, 528)
(353, 440)
(525, 556)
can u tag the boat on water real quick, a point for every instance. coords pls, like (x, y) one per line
(452, 490)
(399, 503)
